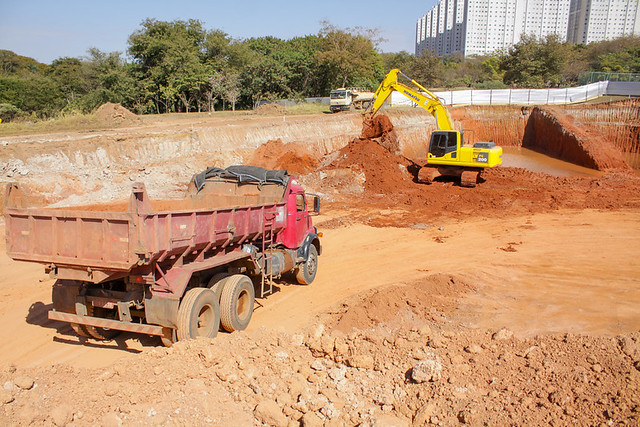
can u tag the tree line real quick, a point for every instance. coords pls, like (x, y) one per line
(180, 66)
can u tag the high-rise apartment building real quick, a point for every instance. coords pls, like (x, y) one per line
(596, 20)
(477, 27)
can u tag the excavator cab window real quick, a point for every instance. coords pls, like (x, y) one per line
(443, 142)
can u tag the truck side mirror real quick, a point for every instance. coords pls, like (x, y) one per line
(315, 203)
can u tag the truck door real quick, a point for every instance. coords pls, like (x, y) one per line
(302, 218)
(298, 220)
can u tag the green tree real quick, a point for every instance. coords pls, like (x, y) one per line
(535, 63)
(348, 57)
(404, 61)
(170, 57)
(38, 95)
(72, 77)
(428, 69)
(111, 79)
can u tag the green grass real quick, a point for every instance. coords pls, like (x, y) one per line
(308, 109)
(69, 123)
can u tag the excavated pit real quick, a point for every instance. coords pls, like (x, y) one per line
(558, 135)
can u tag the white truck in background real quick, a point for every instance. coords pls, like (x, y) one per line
(344, 98)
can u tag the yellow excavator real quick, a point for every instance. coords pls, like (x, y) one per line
(448, 155)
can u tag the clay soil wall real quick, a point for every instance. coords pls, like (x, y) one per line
(553, 133)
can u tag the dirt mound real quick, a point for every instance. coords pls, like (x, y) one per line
(439, 372)
(275, 155)
(375, 154)
(115, 114)
(271, 109)
(416, 303)
(385, 173)
(556, 134)
(380, 126)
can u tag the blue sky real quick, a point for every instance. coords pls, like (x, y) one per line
(46, 29)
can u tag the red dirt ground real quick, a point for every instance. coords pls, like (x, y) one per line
(413, 324)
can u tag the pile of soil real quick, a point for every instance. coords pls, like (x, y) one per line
(115, 114)
(374, 156)
(387, 372)
(271, 109)
(556, 134)
(384, 172)
(275, 155)
(381, 127)
(402, 305)
(520, 190)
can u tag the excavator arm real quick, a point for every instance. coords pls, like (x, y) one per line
(421, 96)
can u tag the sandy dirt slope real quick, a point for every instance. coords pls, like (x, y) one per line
(511, 303)
(561, 272)
(566, 271)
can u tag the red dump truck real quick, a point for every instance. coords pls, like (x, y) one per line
(178, 269)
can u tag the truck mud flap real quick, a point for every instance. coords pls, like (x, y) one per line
(110, 324)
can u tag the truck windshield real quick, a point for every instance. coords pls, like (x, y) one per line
(338, 95)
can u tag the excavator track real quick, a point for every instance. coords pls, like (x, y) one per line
(469, 178)
(428, 174)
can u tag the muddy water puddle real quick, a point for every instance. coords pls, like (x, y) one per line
(518, 157)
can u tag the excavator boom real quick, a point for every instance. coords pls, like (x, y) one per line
(422, 97)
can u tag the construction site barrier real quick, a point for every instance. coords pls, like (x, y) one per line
(567, 95)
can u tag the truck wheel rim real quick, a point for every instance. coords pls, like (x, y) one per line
(242, 306)
(311, 265)
(205, 320)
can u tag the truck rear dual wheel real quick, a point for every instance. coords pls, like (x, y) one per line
(198, 314)
(236, 303)
(306, 272)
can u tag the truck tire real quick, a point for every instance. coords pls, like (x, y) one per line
(236, 303)
(306, 271)
(217, 283)
(198, 314)
(102, 334)
(81, 330)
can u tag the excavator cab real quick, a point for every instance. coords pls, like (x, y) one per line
(444, 142)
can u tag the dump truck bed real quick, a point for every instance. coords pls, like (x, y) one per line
(121, 239)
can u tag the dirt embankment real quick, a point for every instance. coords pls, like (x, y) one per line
(553, 133)
(398, 354)
(367, 172)
(389, 357)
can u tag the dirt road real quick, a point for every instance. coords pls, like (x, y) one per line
(562, 272)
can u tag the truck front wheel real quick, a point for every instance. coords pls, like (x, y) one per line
(198, 314)
(306, 272)
(236, 303)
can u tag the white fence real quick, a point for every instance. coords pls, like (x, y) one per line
(528, 96)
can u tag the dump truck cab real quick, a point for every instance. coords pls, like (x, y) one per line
(346, 98)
